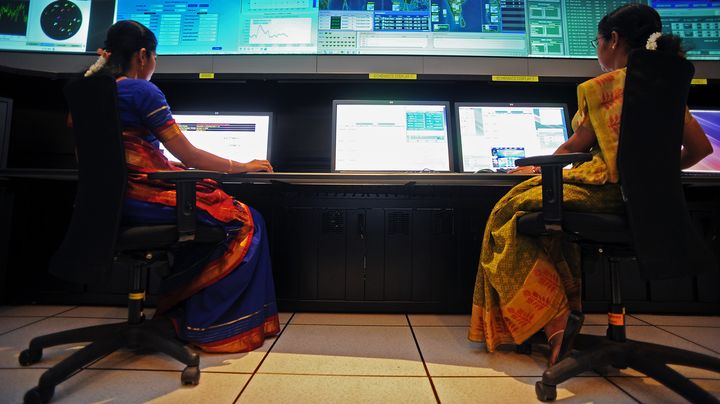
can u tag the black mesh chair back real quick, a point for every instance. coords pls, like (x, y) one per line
(665, 242)
(86, 253)
(95, 243)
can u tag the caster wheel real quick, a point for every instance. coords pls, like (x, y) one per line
(545, 392)
(524, 348)
(36, 395)
(190, 376)
(28, 357)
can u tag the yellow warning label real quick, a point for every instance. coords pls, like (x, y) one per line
(616, 318)
(699, 82)
(209, 75)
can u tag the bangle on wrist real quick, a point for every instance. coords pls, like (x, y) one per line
(230, 165)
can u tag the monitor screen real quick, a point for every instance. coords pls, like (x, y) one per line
(241, 137)
(54, 25)
(709, 120)
(390, 136)
(492, 136)
(521, 28)
(5, 120)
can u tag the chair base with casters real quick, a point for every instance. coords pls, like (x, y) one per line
(136, 333)
(595, 353)
(609, 235)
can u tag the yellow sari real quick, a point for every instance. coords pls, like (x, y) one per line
(523, 282)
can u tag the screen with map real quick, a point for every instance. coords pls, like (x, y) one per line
(522, 28)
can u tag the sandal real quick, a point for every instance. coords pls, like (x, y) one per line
(572, 329)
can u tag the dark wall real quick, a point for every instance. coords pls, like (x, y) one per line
(302, 109)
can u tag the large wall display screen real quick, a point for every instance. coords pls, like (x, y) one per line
(521, 28)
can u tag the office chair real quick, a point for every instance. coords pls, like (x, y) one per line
(96, 242)
(655, 231)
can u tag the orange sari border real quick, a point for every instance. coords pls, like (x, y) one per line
(247, 341)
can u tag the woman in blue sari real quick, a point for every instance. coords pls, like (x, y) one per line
(222, 299)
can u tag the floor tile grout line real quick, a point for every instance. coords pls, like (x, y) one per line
(23, 326)
(621, 389)
(62, 312)
(277, 338)
(422, 358)
(424, 376)
(686, 339)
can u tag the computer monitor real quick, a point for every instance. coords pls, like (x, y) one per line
(5, 120)
(709, 120)
(387, 136)
(491, 136)
(239, 136)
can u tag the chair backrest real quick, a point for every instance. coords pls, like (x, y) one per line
(86, 253)
(651, 128)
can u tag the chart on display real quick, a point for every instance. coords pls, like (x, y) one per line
(502, 28)
(44, 25)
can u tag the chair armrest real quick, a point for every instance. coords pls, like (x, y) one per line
(185, 198)
(554, 159)
(552, 184)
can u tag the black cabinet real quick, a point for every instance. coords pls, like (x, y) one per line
(360, 257)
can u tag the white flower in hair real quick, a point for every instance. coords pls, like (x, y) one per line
(99, 63)
(652, 41)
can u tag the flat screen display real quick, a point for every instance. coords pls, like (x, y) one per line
(520, 28)
(709, 120)
(237, 136)
(406, 136)
(492, 136)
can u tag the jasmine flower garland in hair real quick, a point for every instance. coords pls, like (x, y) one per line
(99, 63)
(652, 41)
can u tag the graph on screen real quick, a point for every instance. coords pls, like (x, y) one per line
(285, 31)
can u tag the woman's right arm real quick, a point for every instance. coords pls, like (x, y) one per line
(193, 157)
(695, 144)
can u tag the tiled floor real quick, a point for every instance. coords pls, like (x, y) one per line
(341, 358)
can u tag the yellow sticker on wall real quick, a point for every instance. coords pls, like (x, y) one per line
(208, 75)
(521, 79)
(699, 82)
(393, 76)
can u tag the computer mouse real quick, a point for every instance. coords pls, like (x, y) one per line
(484, 170)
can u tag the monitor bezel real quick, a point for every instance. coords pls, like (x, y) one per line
(458, 136)
(237, 113)
(5, 133)
(448, 122)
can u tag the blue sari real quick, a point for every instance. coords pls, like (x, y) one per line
(221, 298)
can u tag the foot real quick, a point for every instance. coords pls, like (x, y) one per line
(554, 331)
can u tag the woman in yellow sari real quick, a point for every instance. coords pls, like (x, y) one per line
(525, 285)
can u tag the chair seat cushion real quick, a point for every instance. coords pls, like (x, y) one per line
(138, 238)
(591, 227)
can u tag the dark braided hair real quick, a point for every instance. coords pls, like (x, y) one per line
(634, 23)
(123, 39)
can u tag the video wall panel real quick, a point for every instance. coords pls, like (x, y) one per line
(498, 28)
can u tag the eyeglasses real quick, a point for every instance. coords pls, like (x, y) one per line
(594, 43)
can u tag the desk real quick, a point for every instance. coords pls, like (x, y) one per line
(402, 179)
(368, 242)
